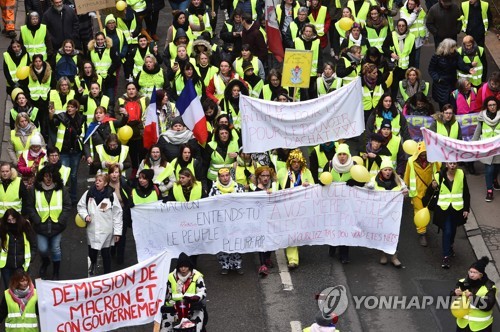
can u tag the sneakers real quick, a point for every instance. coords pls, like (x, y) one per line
(489, 195)
(496, 185)
(263, 271)
(240, 271)
(224, 272)
(445, 264)
(422, 239)
(395, 261)
(383, 259)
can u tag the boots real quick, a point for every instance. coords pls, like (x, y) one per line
(395, 261)
(55, 271)
(383, 258)
(43, 268)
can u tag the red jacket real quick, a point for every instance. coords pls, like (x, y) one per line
(314, 12)
(483, 93)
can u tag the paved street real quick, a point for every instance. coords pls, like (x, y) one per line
(249, 303)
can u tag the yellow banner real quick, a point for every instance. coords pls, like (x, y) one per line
(297, 68)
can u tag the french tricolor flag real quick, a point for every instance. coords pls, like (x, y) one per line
(151, 124)
(189, 106)
(273, 30)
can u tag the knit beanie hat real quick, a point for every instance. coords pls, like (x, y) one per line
(343, 148)
(480, 265)
(110, 18)
(386, 163)
(184, 260)
(247, 65)
(386, 124)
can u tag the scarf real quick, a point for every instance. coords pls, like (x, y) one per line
(387, 184)
(33, 155)
(490, 118)
(412, 89)
(387, 114)
(341, 168)
(295, 175)
(181, 280)
(177, 137)
(470, 52)
(225, 79)
(369, 148)
(328, 82)
(355, 41)
(21, 297)
(369, 82)
(226, 189)
(98, 196)
(353, 58)
(25, 131)
(401, 39)
(38, 71)
(48, 187)
(308, 39)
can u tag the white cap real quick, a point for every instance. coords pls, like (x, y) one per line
(36, 139)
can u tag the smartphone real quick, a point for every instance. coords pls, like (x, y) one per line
(176, 64)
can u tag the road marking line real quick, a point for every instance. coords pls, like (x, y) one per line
(286, 278)
(296, 326)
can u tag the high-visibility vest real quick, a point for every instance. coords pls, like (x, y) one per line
(121, 38)
(441, 129)
(477, 319)
(363, 11)
(52, 209)
(319, 22)
(412, 186)
(376, 39)
(147, 82)
(178, 167)
(30, 163)
(27, 253)
(165, 173)
(220, 86)
(374, 168)
(193, 19)
(12, 67)
(211, 72)
(112, 130)
(484, 14)
(63, 170)
(371, 98)
(102, 63)
(405, 95)
(172, 49)
(152, 197)
(58, 105)
(127, 31)
(137, 5)
(61, 130)
(178, 295)
(294, 29)
(322, 159)
(266, 92)
(395, 123)
(139, 60)
(38, 89)
(352, 76)
(103, 156)
(253, 4)
(487, 131)
(337, 177)
(393, 147)
(284, 175)
(239, 174)
(278, 164)
(320, 85)
(299, 45)
(194, 195)
(86, 91)
(92, 105)
(254, 91)
(239, 66)
(404, 56)
(295, 11)
(179, 85)
(234, 117)
(18, 145)
(21, 322)
(216, 160)
(10, 198)
(35, 44)
(455, 197)
(418, 28)
(476, 78)
(189, 33)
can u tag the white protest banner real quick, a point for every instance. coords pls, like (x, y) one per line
(127, 297)
(445, 149)
(250, 222)
(267, 125)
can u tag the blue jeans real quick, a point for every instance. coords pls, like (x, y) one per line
(72, 160)
(490, 174)
(182, 6)
(449, 232)
(53, 243)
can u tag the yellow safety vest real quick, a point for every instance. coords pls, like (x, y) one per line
(10, 198)
(455, 197)
(139, 61)
(476, 78)
(371, 98)
(406, 96)
(52, 209)
(172, 49)
(484, 14)
(220, 86)
(239, 66)
(299, 45)
(283, 176)
(27, 253)
(92, 105)
(404, 56)
(320, 85)
(35, 44)
(127, 32)
(295, 11)
(153, 197)
(253, 4)
(393, 147)
(38, 89)
(21, 322)
(86, 91)
(418, 28)
(487, 131)
(363, 11)
(322, 159)
(178, 167)
(254, 91)
(216, 160)
(194, 195)
(103, 156)
(239, 174)
(319, 22)
(147, 82)
(377, 39)
(18, 145)
(352, 76)
(477, 319)
(441, 129)
(193, 19)
(58, 105)
(395, 123)
(102, 63)
(12, 67)
(61, 130)
(121, 37)
(190, 291)
(340, 178)
(211, 72)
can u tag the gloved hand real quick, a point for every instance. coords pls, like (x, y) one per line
(351, 182)
(247, 173)
(192, 299)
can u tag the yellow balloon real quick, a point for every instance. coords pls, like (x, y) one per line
(121, 5)
(360, 173)
(410, 147)
(125, 133)
(79, 221)
(326, 178)
(422, 218)
(388, 81)
(460, 307)
(22, 72)
(346, 23)
(358, 160)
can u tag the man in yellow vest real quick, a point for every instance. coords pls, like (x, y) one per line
(473, 54)
(414, 15)
(35, 38)
(481, 292)
(475, 19)
(13, 192)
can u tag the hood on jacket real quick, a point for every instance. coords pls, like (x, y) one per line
(231, 84)
(47, 72)
(179, 34)
(202, 42)
(109, 44)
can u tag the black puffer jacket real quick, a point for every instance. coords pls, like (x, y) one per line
(443, 70)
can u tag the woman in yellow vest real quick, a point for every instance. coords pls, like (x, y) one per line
(86, 77)
(474, 55)
(375, 151)
(204, 68)
(151, 76)
(273, 86)
(394, 144)
(230, 104)
(15, 57)
(58, 99)
(187, 188)
(246, 55)
(92, 100)
(328, 81)
(386, 109)
(67, 61)
(412, 84)
(489, 126)
(481, 292)
(243, 171)
(39, 83)
(387, 179)
(453, 206)
(355, 37)
(145, 191)
(293, 175)
(179, 21)
(31, 159)
(52, 206)
(198, 17)
(112, 152)
(377, 27)
(187, 159)
(20, 136)
(17, 243)
(188, 73)
(164, 176)
(166, 110)
(19, 306)
(255, 83)
(99, 207)
(21, 104)
(220, 153)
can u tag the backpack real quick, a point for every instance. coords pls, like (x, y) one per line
(66, 67)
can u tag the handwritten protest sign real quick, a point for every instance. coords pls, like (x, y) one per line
(297, 68)
(127, 297)
(268, 125)
(250, 222)
(86, 6)
(467, 122)
(443, 149)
